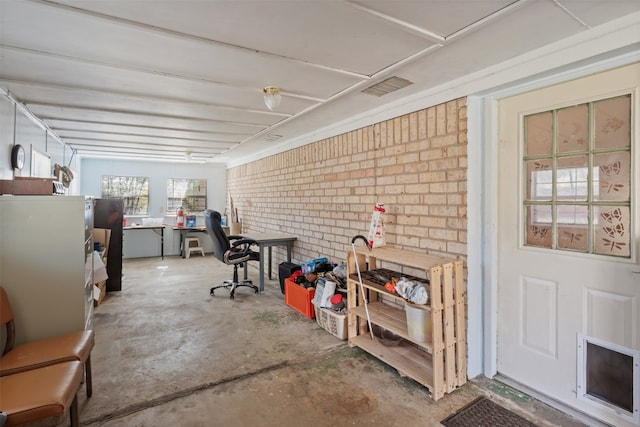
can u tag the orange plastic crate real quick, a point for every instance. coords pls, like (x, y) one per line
(299, 298)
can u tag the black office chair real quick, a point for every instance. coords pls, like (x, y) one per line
(232, 250)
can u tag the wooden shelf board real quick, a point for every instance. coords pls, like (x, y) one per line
(407, 359)
(389, 318)
(377, 288)
(403, 257)
(380, 289)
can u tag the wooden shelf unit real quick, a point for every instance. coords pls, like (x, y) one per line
(441, 364)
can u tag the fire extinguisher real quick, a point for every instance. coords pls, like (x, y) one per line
(180, 217)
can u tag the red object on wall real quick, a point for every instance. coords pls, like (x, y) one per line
(180, 217)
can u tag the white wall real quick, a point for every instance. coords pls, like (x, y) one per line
(18, 127)
(146, 243)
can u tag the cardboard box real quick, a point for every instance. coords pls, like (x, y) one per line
(99, 292)
(102, 235)
(299, 298)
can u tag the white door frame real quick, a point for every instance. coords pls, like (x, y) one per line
(483, 198)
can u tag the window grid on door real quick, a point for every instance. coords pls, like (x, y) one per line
(577, 166)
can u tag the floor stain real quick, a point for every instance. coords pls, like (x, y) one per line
(274, 318)
(509, 392)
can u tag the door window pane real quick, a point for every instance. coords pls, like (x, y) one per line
(612, 117)
(578, 178)
(540, 184)
(573, 227)
(611, 228)
(572, 179)
(538, 133)
(538, 219)
(614, 176)
(573, 129)
(574, 238)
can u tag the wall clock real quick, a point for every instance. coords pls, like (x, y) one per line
(17, 156)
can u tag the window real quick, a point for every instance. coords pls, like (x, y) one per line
(190, 194)
(133, 190)
(577, 193)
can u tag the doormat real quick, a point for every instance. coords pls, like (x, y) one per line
(482, 412)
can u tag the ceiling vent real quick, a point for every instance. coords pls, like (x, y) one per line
(387, 86)
(272, 137)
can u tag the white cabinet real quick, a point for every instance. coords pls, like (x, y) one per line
(440, 362)
(46, 263)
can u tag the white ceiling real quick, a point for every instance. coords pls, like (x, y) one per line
(159, 79)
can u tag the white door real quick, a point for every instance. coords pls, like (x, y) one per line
(568, 229)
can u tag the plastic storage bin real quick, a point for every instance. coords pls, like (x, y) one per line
(418, 322)
(332, 322)
(299, 298)
(152, 221)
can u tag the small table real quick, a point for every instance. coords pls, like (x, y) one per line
(268, 240)
(155, 228)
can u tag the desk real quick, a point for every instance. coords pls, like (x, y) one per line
(155, 228)
(197, 229)
(268, 240)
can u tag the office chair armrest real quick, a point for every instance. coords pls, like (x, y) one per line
(242, 244)
(240, 251)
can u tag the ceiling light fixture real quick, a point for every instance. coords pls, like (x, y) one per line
(272, 97)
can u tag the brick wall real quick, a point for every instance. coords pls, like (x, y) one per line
(324, 192)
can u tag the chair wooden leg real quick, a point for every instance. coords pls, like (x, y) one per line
(88, 379)
(73, 412)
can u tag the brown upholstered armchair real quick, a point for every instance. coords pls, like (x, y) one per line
(40, 379)
(45, 352)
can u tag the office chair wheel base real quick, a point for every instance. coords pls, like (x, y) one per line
(212, 292)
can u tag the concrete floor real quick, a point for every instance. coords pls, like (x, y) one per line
(168, 353)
